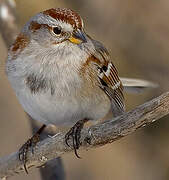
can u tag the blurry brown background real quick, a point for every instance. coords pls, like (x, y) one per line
(136, 32)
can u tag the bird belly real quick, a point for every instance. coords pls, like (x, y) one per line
(63, 111)
(51, 110)
(65, 106)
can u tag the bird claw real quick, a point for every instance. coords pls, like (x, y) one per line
(75, 134)
(30, 144)
(23, 151)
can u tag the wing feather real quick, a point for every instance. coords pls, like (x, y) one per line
(109, 80)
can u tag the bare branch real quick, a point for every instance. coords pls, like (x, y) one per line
(92, 137)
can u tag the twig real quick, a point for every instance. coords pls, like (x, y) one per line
(92, 137)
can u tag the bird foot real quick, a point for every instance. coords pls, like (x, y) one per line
(29, 145)
(75, 134)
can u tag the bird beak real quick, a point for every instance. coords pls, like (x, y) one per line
(78, 37)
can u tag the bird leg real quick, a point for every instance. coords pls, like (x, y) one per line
(30, 144)
(75, 134)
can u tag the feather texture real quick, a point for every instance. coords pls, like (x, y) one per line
(109, 80)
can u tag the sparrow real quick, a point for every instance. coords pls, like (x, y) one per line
(62, 76)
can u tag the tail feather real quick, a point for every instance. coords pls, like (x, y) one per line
(132, 85)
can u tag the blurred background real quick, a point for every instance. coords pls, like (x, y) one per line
(137, 35)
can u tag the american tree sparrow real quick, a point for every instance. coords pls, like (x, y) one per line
(62, 76)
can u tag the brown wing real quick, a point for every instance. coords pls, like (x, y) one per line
(112, 86)
(109, 80)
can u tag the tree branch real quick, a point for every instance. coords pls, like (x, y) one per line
(94, 136)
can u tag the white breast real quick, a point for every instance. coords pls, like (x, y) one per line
(65, 106)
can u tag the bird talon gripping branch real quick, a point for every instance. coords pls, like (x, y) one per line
(29, 145)
(75, 134)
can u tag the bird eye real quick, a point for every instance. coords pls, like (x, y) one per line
(57, 30)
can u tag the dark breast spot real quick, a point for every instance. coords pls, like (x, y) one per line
(38, 84)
